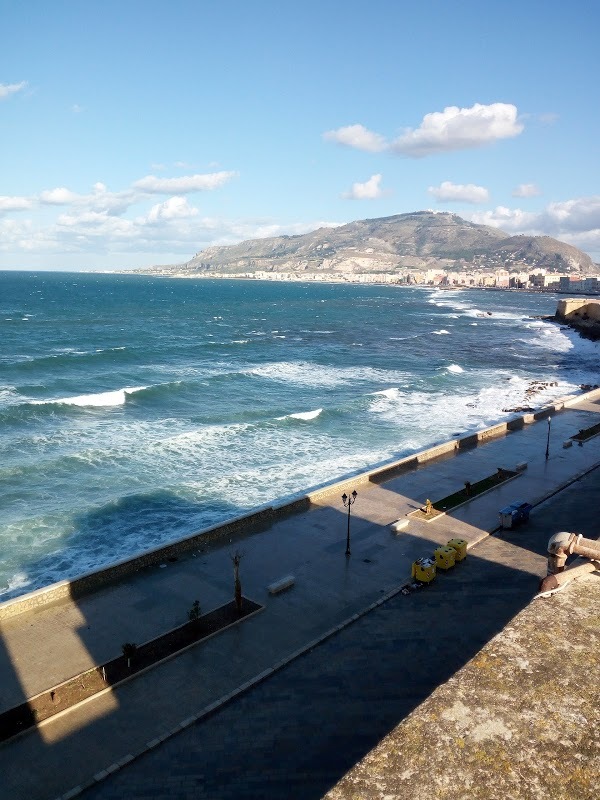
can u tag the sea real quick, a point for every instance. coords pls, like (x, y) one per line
(135, 410)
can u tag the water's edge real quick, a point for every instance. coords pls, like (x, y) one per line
(263, 516)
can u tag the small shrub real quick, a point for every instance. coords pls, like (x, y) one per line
(194, 612)
(129, 650)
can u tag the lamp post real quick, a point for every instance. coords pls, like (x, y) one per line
(548, 439)
(348, 501)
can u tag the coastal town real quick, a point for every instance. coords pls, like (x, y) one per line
(539, 279)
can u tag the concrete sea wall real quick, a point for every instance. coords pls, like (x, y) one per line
(264, 516)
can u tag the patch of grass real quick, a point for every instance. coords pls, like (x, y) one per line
(470, 491)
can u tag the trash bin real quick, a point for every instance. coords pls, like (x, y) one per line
(460, 548)
(423, 569)
(514, 514)
(445, 557)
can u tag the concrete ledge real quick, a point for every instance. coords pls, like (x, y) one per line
(281, 585)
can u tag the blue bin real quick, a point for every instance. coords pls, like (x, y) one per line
(514, 514)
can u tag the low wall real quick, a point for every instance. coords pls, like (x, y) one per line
(263, 517)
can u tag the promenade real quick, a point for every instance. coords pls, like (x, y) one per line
(37, 650)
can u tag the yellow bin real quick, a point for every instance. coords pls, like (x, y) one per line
(460, 546)
(445, 557)
(423, 569)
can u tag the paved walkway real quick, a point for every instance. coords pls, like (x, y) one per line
(295, 735)
(39, 650)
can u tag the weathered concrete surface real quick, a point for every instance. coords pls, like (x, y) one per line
(521, 720)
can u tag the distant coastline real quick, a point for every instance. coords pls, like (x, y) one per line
(362, 279)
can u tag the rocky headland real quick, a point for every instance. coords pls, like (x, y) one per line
(420, 240)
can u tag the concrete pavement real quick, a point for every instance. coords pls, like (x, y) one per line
(39, 650)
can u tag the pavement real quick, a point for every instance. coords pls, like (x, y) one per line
(126, 731)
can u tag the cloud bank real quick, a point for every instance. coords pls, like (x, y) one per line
(576, 221)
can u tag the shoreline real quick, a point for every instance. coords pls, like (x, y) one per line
(262, 517)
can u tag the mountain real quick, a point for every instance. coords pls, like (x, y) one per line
(422, 239)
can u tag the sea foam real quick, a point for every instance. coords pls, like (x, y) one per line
(118, 397)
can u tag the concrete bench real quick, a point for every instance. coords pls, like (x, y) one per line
(281, 585)
(521, 466)
(568, 443)
(399, 525)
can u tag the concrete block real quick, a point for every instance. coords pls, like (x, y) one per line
(568, 443)
(521, 466)
(399, 525)
(281, 585)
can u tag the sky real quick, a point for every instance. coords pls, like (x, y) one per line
(141, 132)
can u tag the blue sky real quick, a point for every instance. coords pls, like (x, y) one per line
(137, 133)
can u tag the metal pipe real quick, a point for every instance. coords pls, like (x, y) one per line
(563, 544)
(552, 582)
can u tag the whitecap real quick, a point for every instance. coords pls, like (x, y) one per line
(304, 415)
(454, 368)
(441, 332)
(117, 397)
(393, 392)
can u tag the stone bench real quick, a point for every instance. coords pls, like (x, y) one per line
(399, 525)
(281, 585)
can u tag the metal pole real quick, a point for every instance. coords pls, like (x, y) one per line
(347, 501)
(548, 439)
(348, 534)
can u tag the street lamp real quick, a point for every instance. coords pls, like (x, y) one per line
(548, 439)
(348, 501)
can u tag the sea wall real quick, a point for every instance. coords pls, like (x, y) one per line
(261, 518)
(581, 314)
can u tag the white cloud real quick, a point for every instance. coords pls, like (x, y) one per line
(459, 129)
(458, 192)
(14, 203)
(358, 137)
(58, 197)
(370, 190)
(187, 183)
(173, 208)
(6, 89)
(77, 109)
(441, 131)
(526, 190)
(574, 221)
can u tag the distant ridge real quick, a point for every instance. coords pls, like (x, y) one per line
(419, 240)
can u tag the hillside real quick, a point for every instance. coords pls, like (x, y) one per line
(422, 239)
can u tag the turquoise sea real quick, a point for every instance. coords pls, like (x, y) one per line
(134, 410)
